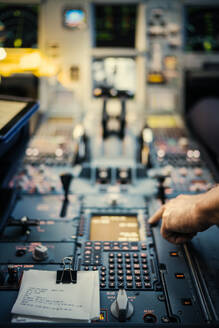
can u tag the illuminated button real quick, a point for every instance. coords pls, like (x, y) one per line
(147, 285)
(111, 266)
(103, 273)
(102, 285)
(103, 268)
(87, 247)
(198, 171)
(111, 272)
(95, 268)
(97, 257)
(106, 243)
(120, 272)
(116, 244)
(127, 255)
(119, 261)
(119, 266)
(107, 248)
(145, 272)
(137, 272)
(116, 248)
(186, 301)
(144, 261)
(87, 257)
(111, 278)
(86, 268)
(136, 261)
(97, 243)
(97, 248)
(137, 266)
(129, 272)
(111, 255)
(125, 248)
(102, 316)
(135, 255)
(87, 262)
(88, 243)
(119, 255)
(128, 266)
(103, 279)
(129, 284)
(143, 255)
(127, 261)
(179, 275)
(111, 261)
(174, 254)
(125, 243)
(129, 278)
(143, 247)
(112, 285)
(97, 262)
(134, 248)
(138, 285)
(87, 252)
(144, 266)
(137, 278)
(183, 171)
(146, 278)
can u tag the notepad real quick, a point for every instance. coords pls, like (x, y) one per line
(41, 298)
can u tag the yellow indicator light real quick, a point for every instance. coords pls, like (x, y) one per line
(163, 121)
(102, 316)
(18, 43)
(173, 254)
(186, 301)
(97, 92)
(155, 78)
(179, 275)
(207, 46)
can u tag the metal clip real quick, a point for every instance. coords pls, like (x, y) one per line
(67, 274)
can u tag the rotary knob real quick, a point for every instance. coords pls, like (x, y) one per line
(121, 308)
(40, 253)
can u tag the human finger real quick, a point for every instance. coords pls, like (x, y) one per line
(157, 216)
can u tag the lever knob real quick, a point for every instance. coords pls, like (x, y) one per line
(66, 179)
(40, 253)
(121, 308)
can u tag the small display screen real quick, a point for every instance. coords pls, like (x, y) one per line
(115, 25)
(202, 28)
(8, 110)
(18, 25)
(114, 228)
(74, 18)
(114, 77)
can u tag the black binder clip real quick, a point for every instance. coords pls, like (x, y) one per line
(67, 274)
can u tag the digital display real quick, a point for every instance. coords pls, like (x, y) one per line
(114, 228)
(114, 77)
(18, 25)
(202, 28)
(74, 18)
(8, 110)
(115, 25)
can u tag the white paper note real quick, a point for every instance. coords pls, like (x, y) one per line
(40, 296)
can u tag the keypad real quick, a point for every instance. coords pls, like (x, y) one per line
(120, 264)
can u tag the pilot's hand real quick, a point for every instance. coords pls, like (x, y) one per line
(182, 217)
